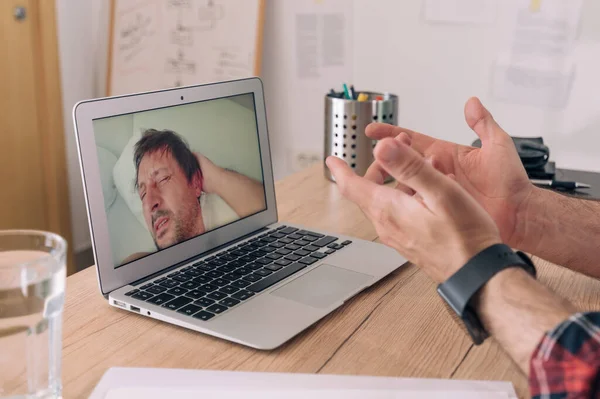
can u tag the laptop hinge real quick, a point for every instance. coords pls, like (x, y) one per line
(216, 249)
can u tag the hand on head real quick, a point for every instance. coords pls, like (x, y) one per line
(206, 167)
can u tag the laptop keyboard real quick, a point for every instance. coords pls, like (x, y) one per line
(215, 284)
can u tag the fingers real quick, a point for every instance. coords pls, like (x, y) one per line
(481, 121)
(404, 188)
(379, 131)
(375, 172)
(432, 160)
(357, 189)
(410, 168)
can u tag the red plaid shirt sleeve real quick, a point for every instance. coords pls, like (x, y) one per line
(566, 363)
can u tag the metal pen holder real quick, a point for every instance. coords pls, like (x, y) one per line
(345, 123)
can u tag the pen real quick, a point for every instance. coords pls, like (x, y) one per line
(352, 92)
(346, 93)
(566, 185)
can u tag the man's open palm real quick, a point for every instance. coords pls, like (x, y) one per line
(493, 174)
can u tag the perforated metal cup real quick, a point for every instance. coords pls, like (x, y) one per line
(345, 123)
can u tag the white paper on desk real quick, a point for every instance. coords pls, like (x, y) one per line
(153, 393)
(117, 379)
(477, 12)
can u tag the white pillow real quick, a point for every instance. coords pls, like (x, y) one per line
(124, 176)
(215, 211)
(106, 162)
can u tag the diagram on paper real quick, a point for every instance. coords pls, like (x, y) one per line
(209, 15)
(179, 66)
(204, 18)
(193, 19)
(158, 44)
(232, 63)
(136, 35)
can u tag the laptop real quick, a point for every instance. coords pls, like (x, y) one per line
(181, 204)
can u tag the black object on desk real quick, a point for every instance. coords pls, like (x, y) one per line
(560, 184)
(591, 178)
(535, 156)
(548, 171)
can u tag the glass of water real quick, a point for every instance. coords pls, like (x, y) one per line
(32, 288)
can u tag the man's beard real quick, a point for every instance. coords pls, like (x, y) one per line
(182, 231)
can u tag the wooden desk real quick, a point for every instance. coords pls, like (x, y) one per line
(399, 327)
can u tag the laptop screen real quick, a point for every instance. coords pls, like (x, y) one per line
(171, 174)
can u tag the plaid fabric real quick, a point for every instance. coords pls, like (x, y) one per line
(566, 364)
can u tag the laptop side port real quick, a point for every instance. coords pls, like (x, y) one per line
(134, 308)
(119, 304)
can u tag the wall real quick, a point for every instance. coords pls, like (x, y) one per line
(307, 51)
(435, 67)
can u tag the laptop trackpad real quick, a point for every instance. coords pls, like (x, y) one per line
(323, 286)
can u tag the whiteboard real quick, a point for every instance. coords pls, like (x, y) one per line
(158, 44)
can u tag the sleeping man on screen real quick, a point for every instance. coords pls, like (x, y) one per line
(170, 179)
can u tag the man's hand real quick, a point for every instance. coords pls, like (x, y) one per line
(209, 172)
(431, 219)
(244, 195)
(436, 224)
(493, 174)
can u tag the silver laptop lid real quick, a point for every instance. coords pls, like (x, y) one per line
(171, 174)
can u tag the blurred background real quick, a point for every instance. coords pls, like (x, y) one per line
(533, 63)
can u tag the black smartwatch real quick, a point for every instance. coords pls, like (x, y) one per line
(459, 290)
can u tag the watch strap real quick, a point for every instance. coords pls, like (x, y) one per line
(462, 286)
